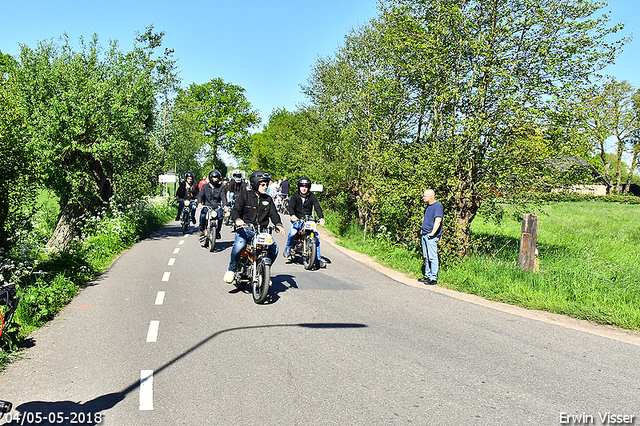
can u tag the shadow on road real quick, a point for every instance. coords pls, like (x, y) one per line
(71, 411)
(279, 283)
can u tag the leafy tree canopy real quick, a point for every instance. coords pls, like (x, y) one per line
(88, 114)
(465, 96)
(223, 113)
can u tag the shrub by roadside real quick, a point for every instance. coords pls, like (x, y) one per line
(48, 282)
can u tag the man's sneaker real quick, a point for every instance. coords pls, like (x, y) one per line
(424, 280)
(228, 277)
(286, 252)
(199, 232)
(322, 264)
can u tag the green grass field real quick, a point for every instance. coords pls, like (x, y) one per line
(589, 257)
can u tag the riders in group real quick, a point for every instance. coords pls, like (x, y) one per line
(255, 207)
(302, 203)
(212, 196)
(236, 186)
(187, 190)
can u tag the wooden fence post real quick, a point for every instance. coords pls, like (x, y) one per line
(527, 256)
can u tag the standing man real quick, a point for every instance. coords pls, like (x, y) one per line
(284, 188)
(431, 231)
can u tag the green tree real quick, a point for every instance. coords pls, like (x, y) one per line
(459, 96)
(609, 112)
(223, 114)
(293, 144)
(16, 161)
(633, 140)
(89, 116)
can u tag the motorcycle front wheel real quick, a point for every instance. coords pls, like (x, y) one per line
(261, 283)
(309, 258)
(212, 238)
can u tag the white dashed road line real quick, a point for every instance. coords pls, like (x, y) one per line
(181, 242)
(166, 276)
(172, 261)
(152, 334)
(177, 250)
(160, 298)
(146, 390)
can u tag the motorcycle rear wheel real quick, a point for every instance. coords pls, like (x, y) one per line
(260, 287)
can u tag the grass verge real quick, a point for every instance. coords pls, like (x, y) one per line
(589, 256)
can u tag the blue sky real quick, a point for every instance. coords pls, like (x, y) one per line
(267, 47)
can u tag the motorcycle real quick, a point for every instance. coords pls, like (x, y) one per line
(304, 242)
(189, 206)
(208, 238)
(254, 265)
(282, 204)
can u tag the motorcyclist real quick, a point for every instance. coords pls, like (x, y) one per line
(236, 186)
(187, 190)
(254, 207)
(212, 196)
(302, 203)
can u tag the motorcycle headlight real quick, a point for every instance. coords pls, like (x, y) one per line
(187, 202)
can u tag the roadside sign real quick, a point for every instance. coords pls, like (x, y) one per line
(168, 178)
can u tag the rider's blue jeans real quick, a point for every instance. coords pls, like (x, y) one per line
(203, 217)
(242, 236)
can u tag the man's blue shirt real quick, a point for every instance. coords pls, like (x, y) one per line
(430, 213)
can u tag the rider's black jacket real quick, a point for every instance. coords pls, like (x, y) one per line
(212, 196)
(237, 187)
(182, 190)
(253, 207)
(298, 207)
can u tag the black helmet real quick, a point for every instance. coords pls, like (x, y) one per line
(189, 174)
(304, 181)
(214, 174)
(257, 177)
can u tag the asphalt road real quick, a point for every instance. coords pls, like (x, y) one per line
(346, 345)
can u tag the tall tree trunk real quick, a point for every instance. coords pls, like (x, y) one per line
(465, 210)
(67, 229)
(634, 163)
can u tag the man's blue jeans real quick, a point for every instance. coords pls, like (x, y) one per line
(293, 230)
(430, 254)
(242, 236)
